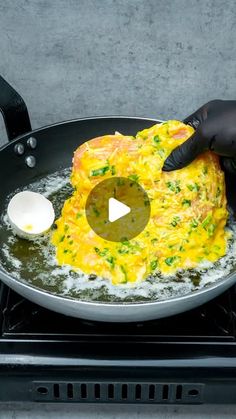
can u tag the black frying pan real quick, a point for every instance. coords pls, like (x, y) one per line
(23, 161)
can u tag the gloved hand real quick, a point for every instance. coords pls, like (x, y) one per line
(215, 124)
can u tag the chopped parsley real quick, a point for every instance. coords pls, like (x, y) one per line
(175, 221)
(186, 203)
(161, 152)
(113, 170)
(174, 186)
(193, 187)
(101, 252)
(123, 251)
(100, 172)
(211, 230)
(194, 223)
(170, 260)
(134, 177)
(128, 247)
(156, 139)
(125, 273)
(111, 261)
(153, 264)
(206, 221)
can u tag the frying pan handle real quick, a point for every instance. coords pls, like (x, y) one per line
(14, 111)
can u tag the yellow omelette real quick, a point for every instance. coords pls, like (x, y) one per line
(188, 207)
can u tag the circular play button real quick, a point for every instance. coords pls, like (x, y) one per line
(118, 209)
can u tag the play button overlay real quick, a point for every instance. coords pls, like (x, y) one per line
(118, 209)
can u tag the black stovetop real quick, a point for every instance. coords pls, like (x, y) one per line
(187, 358)
(214, 321)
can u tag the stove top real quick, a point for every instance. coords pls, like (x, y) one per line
(215, 321)
(187, 358)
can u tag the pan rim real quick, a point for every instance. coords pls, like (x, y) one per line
(74, 120)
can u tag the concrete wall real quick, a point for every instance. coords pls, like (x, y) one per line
(156, 58)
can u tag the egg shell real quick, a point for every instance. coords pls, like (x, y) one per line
(30, 214)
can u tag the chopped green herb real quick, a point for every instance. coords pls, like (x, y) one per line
(134, 177)
(71, 242)
(125, 273)
(154, 241)
(78, 215)
(175, 221)
(161, 152)
(156, 139)
(206, 221)
(194, 223)
(123, 251)
(153, 264)
(174, 186)
(126, 243)
(128, 247)
(181, 249)
(66, 227)
(61, 238)
(205, 170)
(193, 187)
(113, 170)
(211, 229)
(111, 261)
(169, 261)
(100, 172)
(186, 203)
(101, 252)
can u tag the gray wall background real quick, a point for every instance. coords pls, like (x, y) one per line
(156, 58)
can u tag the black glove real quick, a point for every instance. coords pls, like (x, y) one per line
(215, 124)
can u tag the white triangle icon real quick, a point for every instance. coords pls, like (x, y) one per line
(116, 209)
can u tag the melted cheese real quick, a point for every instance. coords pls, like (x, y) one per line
(188, 207)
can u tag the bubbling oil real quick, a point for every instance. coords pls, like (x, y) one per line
(34, 262)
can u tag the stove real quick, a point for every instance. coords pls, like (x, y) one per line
(48, 357)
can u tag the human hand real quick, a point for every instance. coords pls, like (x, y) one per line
(215, 124)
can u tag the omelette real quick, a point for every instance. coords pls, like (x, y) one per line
(188, 208)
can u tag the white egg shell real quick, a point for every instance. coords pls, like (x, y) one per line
(30, 214)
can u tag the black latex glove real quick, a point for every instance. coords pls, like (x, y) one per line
(215, 124)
